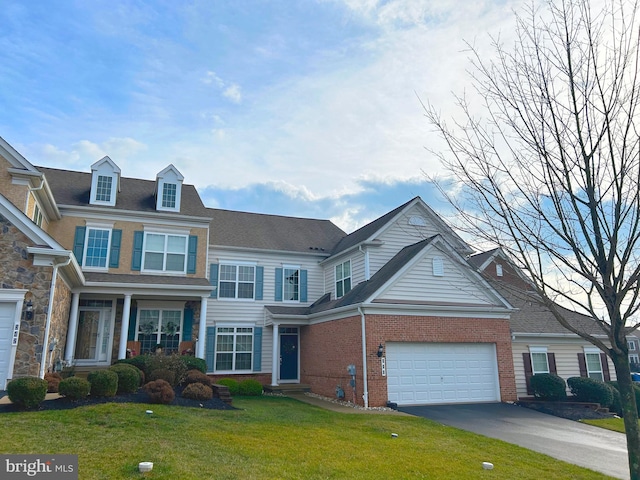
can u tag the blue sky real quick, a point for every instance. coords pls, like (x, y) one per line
(303, 108)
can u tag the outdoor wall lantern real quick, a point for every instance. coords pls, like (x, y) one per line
(28, 310)
(380, 350)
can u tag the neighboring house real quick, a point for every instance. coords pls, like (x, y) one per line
(540, 343)
(634, 352)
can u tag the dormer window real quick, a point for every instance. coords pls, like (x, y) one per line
(105, 182)
(169, 189)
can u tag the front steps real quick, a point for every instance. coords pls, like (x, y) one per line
(287, 388)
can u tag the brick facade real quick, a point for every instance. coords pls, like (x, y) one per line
(327, 348)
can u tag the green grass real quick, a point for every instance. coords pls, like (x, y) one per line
(615, 424)
(269, 438)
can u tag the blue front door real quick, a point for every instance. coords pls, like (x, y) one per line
(289, 355)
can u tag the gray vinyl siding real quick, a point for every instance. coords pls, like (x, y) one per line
(357, 271)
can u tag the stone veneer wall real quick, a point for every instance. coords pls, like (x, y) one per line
(59, 322)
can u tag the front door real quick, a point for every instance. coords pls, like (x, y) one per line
(288, 354)
(93, 344)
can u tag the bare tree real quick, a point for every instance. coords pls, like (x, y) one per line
(550, 168)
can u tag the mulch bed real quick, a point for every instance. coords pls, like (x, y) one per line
(568, 410)
(138, 397)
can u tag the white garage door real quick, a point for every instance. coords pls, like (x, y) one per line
(424, 373)
(7, 320)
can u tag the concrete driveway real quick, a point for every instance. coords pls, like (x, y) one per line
(572, 442)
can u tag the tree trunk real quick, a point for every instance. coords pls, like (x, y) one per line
(629, 412)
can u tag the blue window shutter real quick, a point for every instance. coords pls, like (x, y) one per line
(192, 256)
(278, 296)
(303, 285)
(210, 350)
(114, 255)
(136, 258)
(132, 325)
(213, 279)
(187, 325)
(257, 349)
(78, 243)
(259, 282)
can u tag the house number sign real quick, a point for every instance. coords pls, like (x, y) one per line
(16, 333)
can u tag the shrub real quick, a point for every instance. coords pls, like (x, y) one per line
(160, 391)
(27, 392)
(173, 363)
(250, 387)
(231, 383)
(74, 388)
(53, 380)
(636, 389)
(141, 362)
(548, 386)
(163, 374)
(196, 376)
(590, 390)
(194, 363)
(128, 377)
(104, 383)
(615, 406)
(197, 391)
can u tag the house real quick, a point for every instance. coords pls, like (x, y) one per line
(540, 343)
(633, 343)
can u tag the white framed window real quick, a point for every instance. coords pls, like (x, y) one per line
(103, 188)
(631, 344)
(37, 215)
(291, 284)
(169, 189)
(539, 360)
(104, 182)
(237, 281)
(163, 252)
(343, 278)
(169, 195)
(593, 364)
(97, 244)
(234, 349)
(634, 358)
(159, 327)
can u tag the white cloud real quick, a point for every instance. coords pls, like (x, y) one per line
(232, 92)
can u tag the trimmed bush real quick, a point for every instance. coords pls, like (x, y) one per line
(194, 363)
(165, 374)
(590, 390)
(196, 376)
(27, 392)
(231, 383)
(636, 389)
(74, 388)
(547, 386)
(140, 361)
(250, 388)
(197, 391)
(174, 363)
(128, 377)
(104, 383)
(53, 380)
(160, 391)
(616, 406)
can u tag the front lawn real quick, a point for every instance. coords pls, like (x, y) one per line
(615, 424)
(270, 437)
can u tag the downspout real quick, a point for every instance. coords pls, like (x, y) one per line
(45, 346)
(365, 383)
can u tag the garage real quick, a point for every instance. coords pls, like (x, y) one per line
(7, 322)
(432, 373)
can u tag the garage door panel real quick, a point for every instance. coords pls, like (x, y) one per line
(424, 373)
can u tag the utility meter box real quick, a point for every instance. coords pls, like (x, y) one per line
(351, 369)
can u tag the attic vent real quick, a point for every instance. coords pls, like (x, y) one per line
(438, 267)
(417, 221)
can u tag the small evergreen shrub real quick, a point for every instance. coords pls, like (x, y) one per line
(160, 391)
(140, 361)
(586, 389)
(74, 388)
(547, 386)
(231, 383)
(194, 363)
(165, 374)
(27, 392)
(197, 391)
(104, 383)
(53, 380)
(636, 390)
(173, 363)
(128, 377)
(196, 376)
(250, 388)
(616, 406)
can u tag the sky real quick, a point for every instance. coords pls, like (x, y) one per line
(304, 108)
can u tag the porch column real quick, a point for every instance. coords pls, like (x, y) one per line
(202, 328)
(275, 357)
(73, 328)
(124, 328)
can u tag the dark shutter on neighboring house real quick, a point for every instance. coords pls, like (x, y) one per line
(114, 255)
(210, 350)
(131, 336)
(257, 349)
(259, 282)
(605, 367)
(303, 285)
(136, 257)
(528, 371)
(187, 325)
(551, 358)
(278, 294)
(213, 279)
(582, 364)
(78, 243)
(192, 254)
